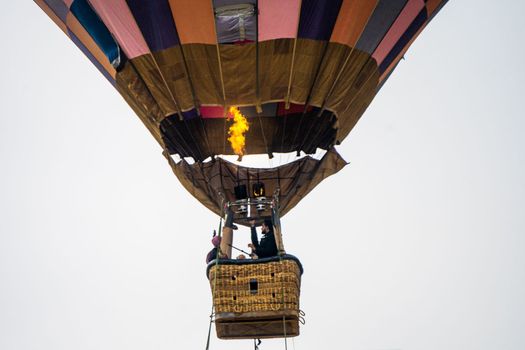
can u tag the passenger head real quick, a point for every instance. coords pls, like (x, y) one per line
(267, 226)
(216, 241)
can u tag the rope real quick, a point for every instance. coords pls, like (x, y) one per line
(309, 141)
(214, 284)
(193, 95)
(209, 329)
(334, 83)
(283, 306)
(309, 96)
(257, 81)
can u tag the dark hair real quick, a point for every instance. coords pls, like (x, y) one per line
(269, 223)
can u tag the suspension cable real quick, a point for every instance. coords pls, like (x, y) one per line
(214, 283)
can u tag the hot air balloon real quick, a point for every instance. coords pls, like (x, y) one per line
(244, 77)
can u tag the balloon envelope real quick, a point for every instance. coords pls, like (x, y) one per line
(302, 72)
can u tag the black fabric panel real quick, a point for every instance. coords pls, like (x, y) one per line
(382, 19)
(200, 138)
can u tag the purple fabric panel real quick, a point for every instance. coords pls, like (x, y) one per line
(191, 114)
(155, 22)
(382, 19)
(92, 58)
(59, 8)
(318, 18)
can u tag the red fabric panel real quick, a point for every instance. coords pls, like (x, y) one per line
(401, 54)
(403, 21)
(278, 19)
(212, 111)
(117, 17)
(294, 108)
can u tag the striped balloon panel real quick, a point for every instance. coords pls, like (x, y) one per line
(185, 61)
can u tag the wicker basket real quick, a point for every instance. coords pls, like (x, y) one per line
(256, 298)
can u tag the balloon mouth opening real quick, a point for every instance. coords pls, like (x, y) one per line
(257, 161)
(265, 161)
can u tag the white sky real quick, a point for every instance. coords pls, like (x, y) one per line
(417, 244)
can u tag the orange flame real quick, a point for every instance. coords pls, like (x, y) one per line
(237, 129)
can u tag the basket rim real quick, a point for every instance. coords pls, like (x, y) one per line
(254, 262)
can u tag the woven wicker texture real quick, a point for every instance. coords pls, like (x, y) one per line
(269, 286)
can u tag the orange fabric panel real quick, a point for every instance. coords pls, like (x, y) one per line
(77, 28)
(432, 5)
(194, 20)
(52, 15)
(353, 17)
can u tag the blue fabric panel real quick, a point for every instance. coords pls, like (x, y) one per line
(403, 41)
(155, 20)
(382, 19)
(59, 8)
(318, 18)
(92, 58)
(191, 114)
(96, 28)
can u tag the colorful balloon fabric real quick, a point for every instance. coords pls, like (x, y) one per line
(302, 72)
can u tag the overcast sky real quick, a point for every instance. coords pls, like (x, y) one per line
(417, 244)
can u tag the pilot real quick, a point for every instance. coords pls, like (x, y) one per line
(267, 246)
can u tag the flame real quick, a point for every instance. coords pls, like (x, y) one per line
(237, 129)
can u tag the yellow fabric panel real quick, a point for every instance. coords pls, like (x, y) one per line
(307, 57)
(239, 73)
(351, 106)
(332, 63)
(275, 60)
(352, 19)
(136, 94)
(86, 39)
(171, 65)
(203, 67)
(359, 68)
(149, 72)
